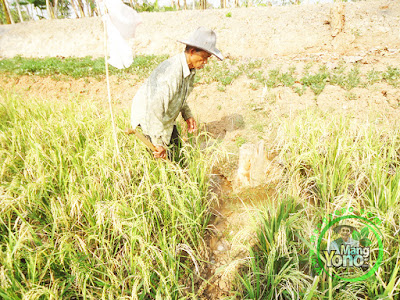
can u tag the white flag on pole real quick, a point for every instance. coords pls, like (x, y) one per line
(121, 22)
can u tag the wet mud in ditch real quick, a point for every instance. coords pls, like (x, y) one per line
(232, 231)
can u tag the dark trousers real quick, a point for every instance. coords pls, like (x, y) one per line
(175, 145)
(175, 138)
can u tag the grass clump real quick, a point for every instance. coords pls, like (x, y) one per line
(273, 80)
(240, 141)
(373, 77)
(392, 75)
(250, 66)
(224, 73)
(316, 81)
(257, 75)
(78, 222)
(287, 78)
(348, 80)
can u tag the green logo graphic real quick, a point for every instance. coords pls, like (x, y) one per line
(362, 237)
(354, 255)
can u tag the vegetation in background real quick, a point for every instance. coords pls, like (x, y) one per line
(316, 82)
(77, 67)
(78, 222)
(224, 73)
(25, 10)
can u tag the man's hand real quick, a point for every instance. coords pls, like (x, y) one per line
(192, 126)
(160, 152)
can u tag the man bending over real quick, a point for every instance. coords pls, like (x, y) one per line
(163, 95)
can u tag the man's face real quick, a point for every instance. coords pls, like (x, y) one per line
(199, 59)
(345, 233)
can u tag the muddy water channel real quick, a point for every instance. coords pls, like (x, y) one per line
(232, 232)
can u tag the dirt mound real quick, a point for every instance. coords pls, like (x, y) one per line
(244, 32)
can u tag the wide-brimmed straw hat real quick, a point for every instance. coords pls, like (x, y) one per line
(204, 39)
(345, 224)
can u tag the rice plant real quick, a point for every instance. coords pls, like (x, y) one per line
(273, 270)
(331, 164)
(79, 221)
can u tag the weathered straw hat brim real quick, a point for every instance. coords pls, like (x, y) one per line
(337, 228)
(214, 51)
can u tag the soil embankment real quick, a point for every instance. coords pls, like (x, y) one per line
(244, 32)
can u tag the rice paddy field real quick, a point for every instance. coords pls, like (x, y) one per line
(83, 219)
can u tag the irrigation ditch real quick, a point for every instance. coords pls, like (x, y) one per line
(235, 221)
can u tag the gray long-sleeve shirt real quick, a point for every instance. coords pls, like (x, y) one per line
(162, 97)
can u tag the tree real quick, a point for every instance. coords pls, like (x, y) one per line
(38, 5)
(50, 9)
(54, 8)
(7, 13)
(92, 8)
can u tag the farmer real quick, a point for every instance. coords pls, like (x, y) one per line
(163, 95)
(345, 239)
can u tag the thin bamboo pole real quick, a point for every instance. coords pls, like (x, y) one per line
(19, 11)
(55, 9)
(49, 9)
(75, 9)
(28, 12)
(81, 8)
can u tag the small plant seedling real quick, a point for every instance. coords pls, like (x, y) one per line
(258, 127)
(353, 79)
(240, 141)
(351, 96)
(392, 75)
(373, 77)
(316, 81)
(273, 78)
(254, 86)
(300, 90)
